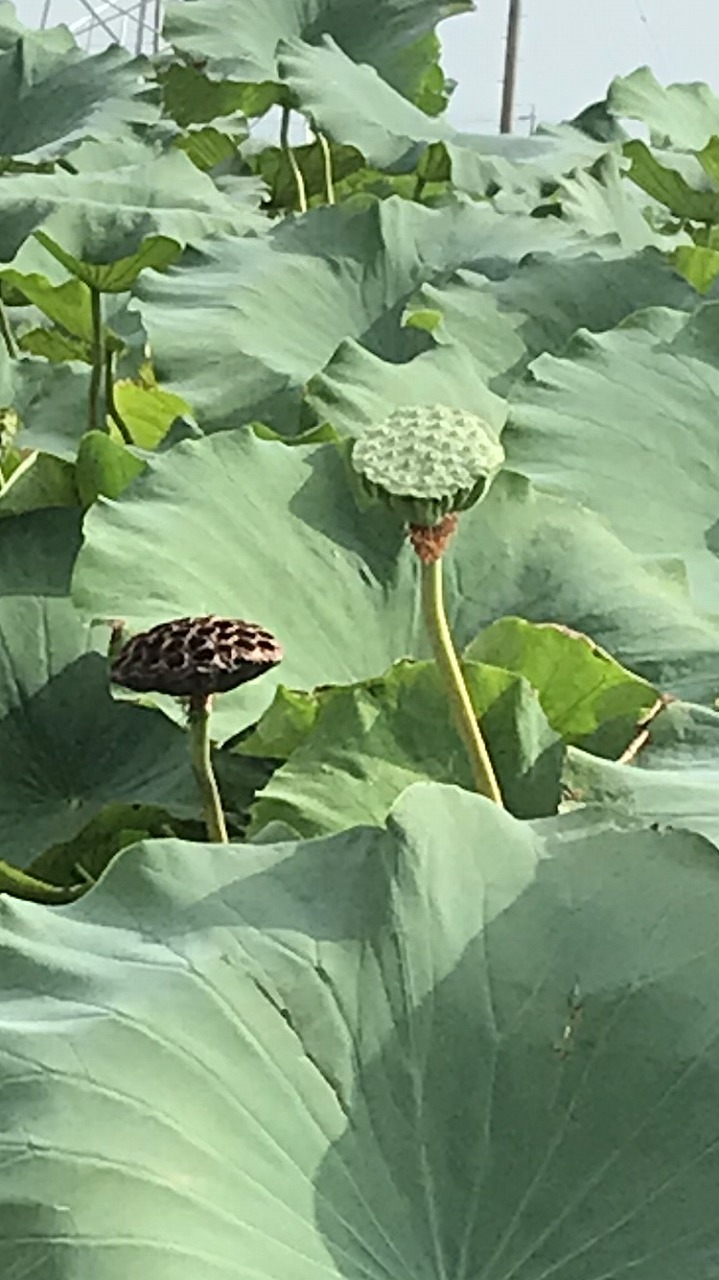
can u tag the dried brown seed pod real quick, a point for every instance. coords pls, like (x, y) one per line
(190, 657)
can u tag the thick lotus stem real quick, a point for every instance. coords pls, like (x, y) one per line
(110, 403)
(292, 158)
(327, 164)
(98, 360)
(199, 725)
(485, 780)
(7, 333)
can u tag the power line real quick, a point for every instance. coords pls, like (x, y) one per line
(650, 32)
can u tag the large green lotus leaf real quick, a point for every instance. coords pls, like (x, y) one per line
(356, 106)
(234, 525)
(66, 304)
(104, 466)
(669, 187)
(50, 401)
(556, 295)
(53, 344)
(542, 303)
(523, 552)
(191, 97)
(599, 202)
(39, 481)
(274, 310)
(357, 388)
(148, 411)
(75, 862)
(37, 553)
(313, 1059)
(464, 311)
(683, 115)
(284, 725)
(250, 528)
(277, 170)
(335, 91)
(390, 35)
(53, 95)
(79, 861)
(625, 422)
(105, 227)
(587, 696)
(674, 779)
(10, 26)
(66, 747)
(699, 265)
(500, 324)
(370, 742)
(209, 147)
(417, 68)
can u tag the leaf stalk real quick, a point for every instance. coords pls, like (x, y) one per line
(199, 726)
(435, 618)
(327, 163)
(98, 358)
(292, 158)
(7, 333)
(110, 402)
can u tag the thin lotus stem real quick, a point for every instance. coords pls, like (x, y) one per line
(7, 333)
(327, 161)
(435, 618)
(199, 725)
(110, 403)
(297, 172)
(98, 358)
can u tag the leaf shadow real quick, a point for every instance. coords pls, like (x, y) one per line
(543, 1109)
(326, 503)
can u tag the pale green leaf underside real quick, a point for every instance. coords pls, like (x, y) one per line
(313, 1060)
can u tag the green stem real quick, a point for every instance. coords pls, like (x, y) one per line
(199, 724)
(7, 333)
(19, 884)
(110, 404)
(327, 162)
(419, 187)
(98, 358)
(297, 172)
(435, 618)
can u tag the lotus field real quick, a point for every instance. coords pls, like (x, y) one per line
(359, 664)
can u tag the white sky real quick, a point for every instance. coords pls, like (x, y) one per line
(569, 50)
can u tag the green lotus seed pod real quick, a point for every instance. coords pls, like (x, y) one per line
(424, 461)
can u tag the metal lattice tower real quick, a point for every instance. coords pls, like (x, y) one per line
(136, 24)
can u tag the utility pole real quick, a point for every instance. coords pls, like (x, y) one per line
(510, 66)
